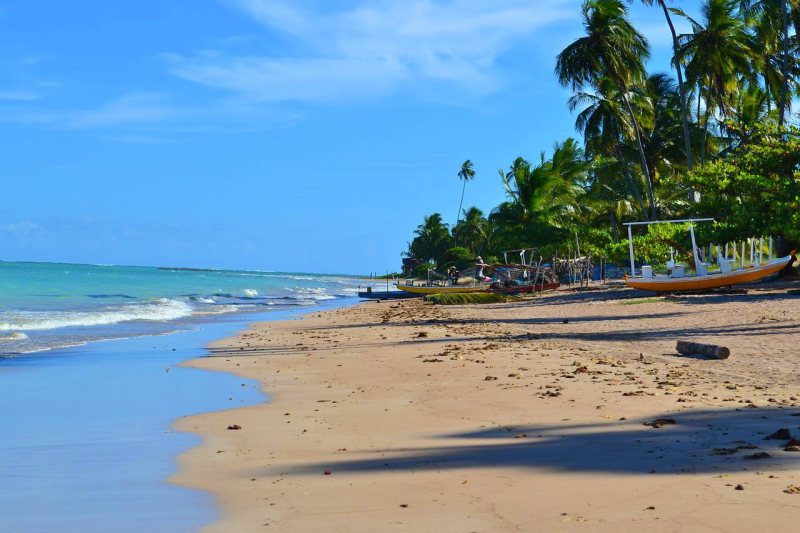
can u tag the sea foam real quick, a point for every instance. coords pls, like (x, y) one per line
(161, 309)
(13, 336)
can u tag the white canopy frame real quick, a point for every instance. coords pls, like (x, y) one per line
(691, 222)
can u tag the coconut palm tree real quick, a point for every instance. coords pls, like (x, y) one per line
(771, 21)
(664, 150)
(611, 48)
(719, 56)
(542, 198)
(677, 62)
(605, 127)
(750, 110)
(473, 230)
(467, 173)
(432, 239)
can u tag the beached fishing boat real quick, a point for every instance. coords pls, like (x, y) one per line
(385, 295)
(507, 278)
(459, 289)
(727, 275)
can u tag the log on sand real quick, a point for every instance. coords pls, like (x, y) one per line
(709, 350)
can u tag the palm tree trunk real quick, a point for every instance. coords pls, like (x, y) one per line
(681, 91)
(642, 158)
(458, 217)
(767, 95)
(614, 228)
(687, 140)
(627, 173)
(699, 97)
(705, 137)
(784, 63)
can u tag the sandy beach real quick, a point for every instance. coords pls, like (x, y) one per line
(568, 411)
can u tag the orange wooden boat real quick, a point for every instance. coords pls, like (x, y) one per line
(709, 281)
(726, 277)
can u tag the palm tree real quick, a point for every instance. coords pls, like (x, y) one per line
(542, 198)
(665, 155)
(612, 48)
(605, 126)
(772, 19)
(467, 173)
(473, 230)
(677, 63)
(751, 109)
(432, 239)
(719, 57)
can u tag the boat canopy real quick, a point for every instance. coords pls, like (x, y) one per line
(691, 222)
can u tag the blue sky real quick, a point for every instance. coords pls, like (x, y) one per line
(307, 135)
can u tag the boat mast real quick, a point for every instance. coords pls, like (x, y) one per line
(630, 245)
(694, 249)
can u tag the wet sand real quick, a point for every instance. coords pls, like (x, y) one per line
(533, 415)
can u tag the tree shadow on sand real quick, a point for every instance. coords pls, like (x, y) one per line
(698, 441)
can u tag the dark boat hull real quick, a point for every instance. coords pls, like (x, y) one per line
(387, 295)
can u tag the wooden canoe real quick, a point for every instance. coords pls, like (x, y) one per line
(710, 281)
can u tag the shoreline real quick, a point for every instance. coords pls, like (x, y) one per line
(87, 432)
(507, 416)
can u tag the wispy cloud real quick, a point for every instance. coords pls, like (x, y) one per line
(131, 108)
(142, 139)
(153, 118)
(374, 48)
(24, 231)
(19, 95)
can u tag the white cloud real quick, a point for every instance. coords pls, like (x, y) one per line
(374, 48)
(131, 108)
(142, 139)
(19, 95)
(25, 231)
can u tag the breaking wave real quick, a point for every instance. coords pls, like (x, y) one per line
(161, 309)
(14, 336)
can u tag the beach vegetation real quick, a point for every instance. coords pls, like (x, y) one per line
(714, 137)
(470, 298)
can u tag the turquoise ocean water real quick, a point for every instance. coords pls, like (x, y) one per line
(86, 438)
(50, 305)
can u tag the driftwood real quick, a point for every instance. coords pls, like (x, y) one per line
(709, 350)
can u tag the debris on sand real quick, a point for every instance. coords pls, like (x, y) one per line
(659, 423)
(781, 434)
(234, 427)
(757, 455)
(792, 489)
(724, 451)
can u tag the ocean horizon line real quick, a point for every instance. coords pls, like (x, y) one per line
(190, 268)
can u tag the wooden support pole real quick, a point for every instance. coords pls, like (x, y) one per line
(742, 254)
(709, 350)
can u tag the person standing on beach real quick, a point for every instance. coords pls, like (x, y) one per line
(479, 267)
